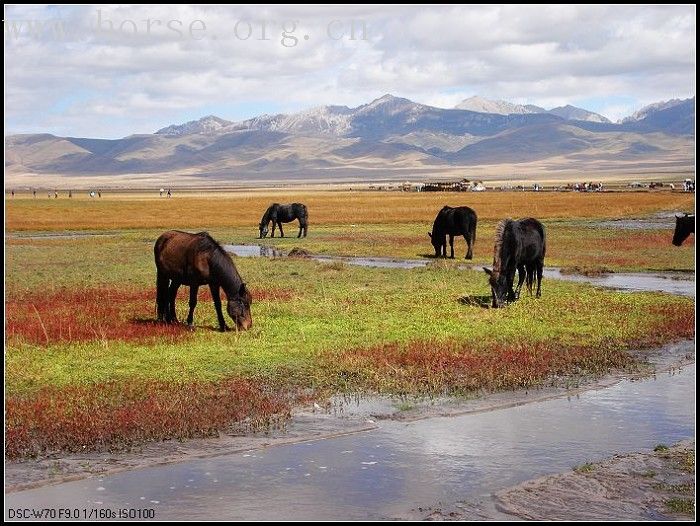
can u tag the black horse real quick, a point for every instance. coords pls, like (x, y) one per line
(685, 225)
(453, 221)
(279, 214)
(194, 260)
(518, 245)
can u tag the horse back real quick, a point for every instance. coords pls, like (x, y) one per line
(529, 239)
(454, 220)
(177, 256)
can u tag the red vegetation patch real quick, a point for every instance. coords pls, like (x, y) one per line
(115, 415)
(439, 367)
(273, 294)
(71, 315)
(669, 322)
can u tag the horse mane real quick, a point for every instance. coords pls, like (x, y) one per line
(266, 216)
(498, 244)
(220, 264)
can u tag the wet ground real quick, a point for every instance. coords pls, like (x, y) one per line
(400, 469)
(671, 282)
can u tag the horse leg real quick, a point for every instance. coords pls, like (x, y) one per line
(452, 246)
(522, 272)
(468, 239)
(306, 228)
(510, 296)
(161, 295)
(193, 303)
(273, 228)
(540, 268)
(279, 224)
(172, 294)
(217, 305)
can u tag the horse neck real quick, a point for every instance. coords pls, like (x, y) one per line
(267, 216)
(225, 274)
(500, 260)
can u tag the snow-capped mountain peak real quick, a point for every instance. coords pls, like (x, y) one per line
(649, 109)
(500, 107)
(206, 125)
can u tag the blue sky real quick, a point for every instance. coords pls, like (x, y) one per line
(145, 67)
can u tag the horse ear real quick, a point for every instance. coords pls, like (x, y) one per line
(488, 271)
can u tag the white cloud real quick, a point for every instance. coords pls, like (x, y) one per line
(115, 84)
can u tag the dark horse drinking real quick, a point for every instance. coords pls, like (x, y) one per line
(194, 260)
(279, 214)
(519, 245)
(685, 225)
(453, 221)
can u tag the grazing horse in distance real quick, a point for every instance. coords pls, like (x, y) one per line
(519, 245)
(279, 214)
(685, 225)
(194, 260)
(453, 221)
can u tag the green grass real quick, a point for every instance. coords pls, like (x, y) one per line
(331, 307)
(681, 505)
(586, 467)
(318, 327)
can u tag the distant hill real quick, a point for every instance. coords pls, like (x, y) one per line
(389, 134)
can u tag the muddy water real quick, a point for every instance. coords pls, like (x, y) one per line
(391, 471)
(672, 283)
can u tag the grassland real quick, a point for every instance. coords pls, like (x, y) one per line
(86, 367)
(225, 210)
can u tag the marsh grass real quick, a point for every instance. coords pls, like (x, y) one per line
(86, 365)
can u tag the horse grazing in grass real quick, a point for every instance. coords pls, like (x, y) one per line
(453, 221)
(279, 214)
(685, 225)
(518, 245)
(195, 260)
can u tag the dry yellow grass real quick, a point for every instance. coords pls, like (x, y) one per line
(220, 210)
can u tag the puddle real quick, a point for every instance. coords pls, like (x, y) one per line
(672, 283)
(389, 472)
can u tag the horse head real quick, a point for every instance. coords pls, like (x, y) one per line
(436, 242)
(264, 229)
(499, 288)
(238, 308)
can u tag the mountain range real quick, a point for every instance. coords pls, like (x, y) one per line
(390, 137)
(502, 107)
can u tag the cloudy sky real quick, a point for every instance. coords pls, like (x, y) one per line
(113, 71)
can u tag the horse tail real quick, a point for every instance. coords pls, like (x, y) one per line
(474, 230)
(529, 277)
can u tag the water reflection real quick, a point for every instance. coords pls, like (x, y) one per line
(390, 471)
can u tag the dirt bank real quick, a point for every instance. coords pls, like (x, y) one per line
(650, 485)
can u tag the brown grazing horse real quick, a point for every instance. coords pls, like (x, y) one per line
(193, 260)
